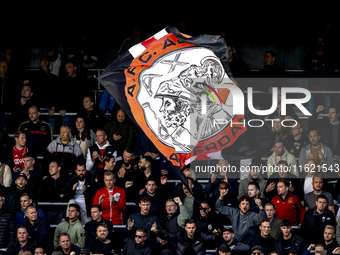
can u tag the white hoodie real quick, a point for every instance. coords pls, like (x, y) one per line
(89, 163)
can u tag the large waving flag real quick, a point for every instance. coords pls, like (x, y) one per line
(171, 86)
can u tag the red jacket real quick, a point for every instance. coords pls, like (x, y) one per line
(111, 212)
(288, 208)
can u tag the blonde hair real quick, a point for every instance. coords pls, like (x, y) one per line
(192, 173)
(25, 252)
(330, 227)
(275, 119)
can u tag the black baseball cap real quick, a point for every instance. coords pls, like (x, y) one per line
(21, 175)
(256, 247)
(228, 229)
(224, 247)
(85, 251)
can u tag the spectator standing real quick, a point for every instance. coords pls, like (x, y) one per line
(263, 238)
(315, 221)
(283, 172)
(32, 174)
(66, 151)
(296, 140)
(237, 65)
(235, 246)
(317, 151)
(289, 240)
(55, 60)
(95, 118)
(138, 245)
(5, 175)
(253, 193)
(9, 87)
(121, 132)
(81, 190)
(102, 244)
(25, 201)
(75, 86)
(84, 136)
(45, 85)
(96, 152)
(212, 188)
(38, 228)
(38, 133)
(151, 191)
(55, 184)
(329, 238)
(97, 219)
(112, 199)
(189, 241)
(176, 216)
(12, 194)
(14, 156)
(271, 67)
(109, 162)
(254, 175)
(66, 247)
(241, 219)
(318, 63)
(143, 219)
(21, 106)
(280, 153)
(72, 226)
(106, 102)
(329, 128)
(311, 198)
(290, 209)
(309, 172)
(275, 223)
(7, 226)
(21, 242)
(228, 200)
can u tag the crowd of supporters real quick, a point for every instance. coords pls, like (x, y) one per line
(119, 190)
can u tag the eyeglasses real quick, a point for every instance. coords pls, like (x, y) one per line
(257, 252)
(139, 237)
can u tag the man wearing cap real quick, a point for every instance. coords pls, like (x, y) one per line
(13, 193)
(229, 239)
(224, 249)
(85, 252)
(257, 250)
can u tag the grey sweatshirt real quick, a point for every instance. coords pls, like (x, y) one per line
(243, 225)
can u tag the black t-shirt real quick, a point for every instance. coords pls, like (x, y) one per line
(286, 245)
(98, 247)
(74, 248)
